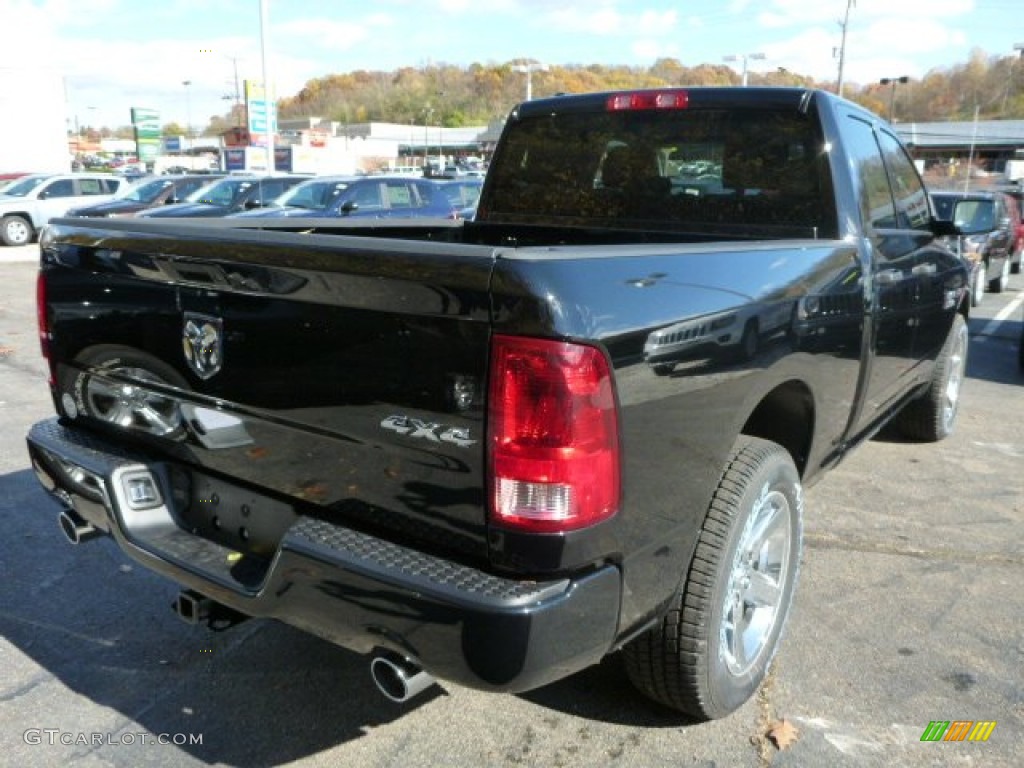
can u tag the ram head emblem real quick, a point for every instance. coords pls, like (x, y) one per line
(203, 342)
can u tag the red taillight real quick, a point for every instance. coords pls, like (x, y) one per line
(553, 435)
(657, 99)
(42, 319)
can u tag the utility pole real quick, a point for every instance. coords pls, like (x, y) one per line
(842, 47)
(237, 99)
(1018, 50)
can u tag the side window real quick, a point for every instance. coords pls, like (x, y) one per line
(61, 188)
(90, 187)
(272, 190)
(876, 204)
(399, 195)
(910, 196)
(367, 197)
(187, 188)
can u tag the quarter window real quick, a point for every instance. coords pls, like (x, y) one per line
(908, 192)
(876, 203)
(90, 187)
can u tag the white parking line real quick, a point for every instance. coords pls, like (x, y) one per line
(1000, 318)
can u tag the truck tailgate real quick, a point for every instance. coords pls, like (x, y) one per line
(341, 375)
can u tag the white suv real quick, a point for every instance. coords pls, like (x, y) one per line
(31, 201)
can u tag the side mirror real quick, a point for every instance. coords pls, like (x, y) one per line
(349, 207)
(973, 218)
(254, 203)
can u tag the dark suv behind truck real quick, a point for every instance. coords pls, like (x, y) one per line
(989, 245)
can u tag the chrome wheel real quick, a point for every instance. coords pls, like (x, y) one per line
(757, 582)
(978, 287)
(130, 405)
(16, 231)
(955, 377)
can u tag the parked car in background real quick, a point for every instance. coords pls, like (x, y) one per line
(984, 219)
(31, 201)
(228, 195)
(1016, 207)
(380, 197)
(147, 193)
(463, 194)
(6, 179)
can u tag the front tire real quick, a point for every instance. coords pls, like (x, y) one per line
(750, 341)
(932, 416)
(713, 648)
(1000, 283)
(16, 230)
(981, 276)
(978, 286)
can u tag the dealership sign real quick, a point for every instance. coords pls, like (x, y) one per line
(146, 125)
(261, 111)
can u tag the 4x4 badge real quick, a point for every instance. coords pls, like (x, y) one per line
(426, 430)
(202, 339)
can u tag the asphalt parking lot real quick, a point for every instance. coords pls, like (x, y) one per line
(909, 611)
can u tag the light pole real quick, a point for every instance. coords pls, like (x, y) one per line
(267, 90)
(744, 57)
(529, 69)
(428, 112)
(891, 82)
(188, 112)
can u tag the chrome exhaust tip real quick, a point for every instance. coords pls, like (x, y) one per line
(75, 528)
(399, 679)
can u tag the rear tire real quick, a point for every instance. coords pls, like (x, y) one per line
(713, 648)
(932, 416)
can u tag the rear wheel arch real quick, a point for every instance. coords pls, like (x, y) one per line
(785, 415)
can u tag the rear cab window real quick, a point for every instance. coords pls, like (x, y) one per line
(749, 171)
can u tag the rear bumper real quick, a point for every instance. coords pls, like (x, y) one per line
(358, 591)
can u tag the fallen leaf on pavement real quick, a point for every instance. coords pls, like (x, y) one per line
(783, 733)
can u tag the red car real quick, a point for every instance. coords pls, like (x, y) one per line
(1015, 206)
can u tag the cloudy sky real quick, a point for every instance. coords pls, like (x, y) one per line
(116, 54)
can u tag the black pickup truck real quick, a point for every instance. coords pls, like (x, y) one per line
(494, 452)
